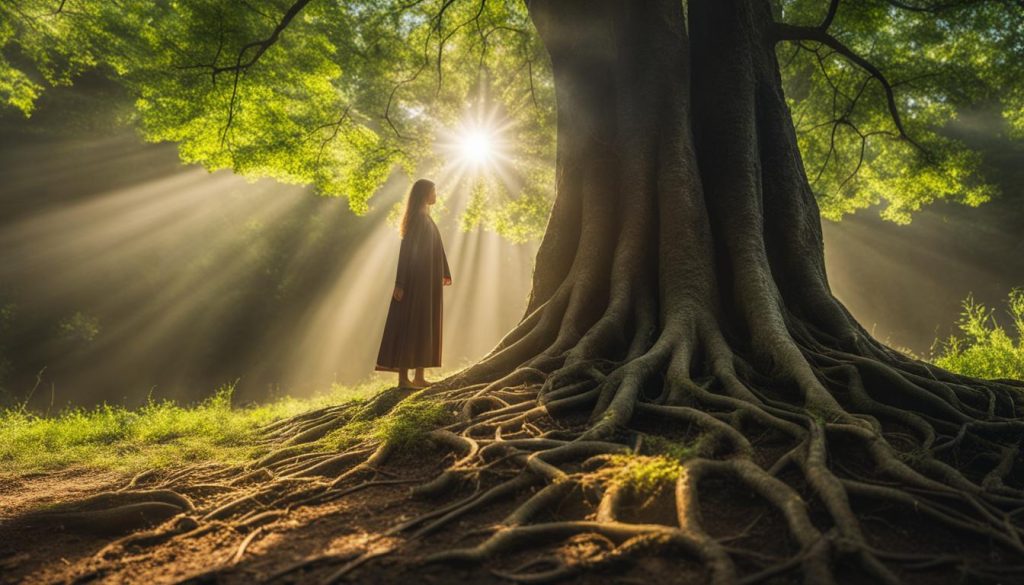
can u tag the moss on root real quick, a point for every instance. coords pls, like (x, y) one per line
(403, 427)
(641, 474)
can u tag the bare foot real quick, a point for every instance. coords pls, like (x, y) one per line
(420, 383)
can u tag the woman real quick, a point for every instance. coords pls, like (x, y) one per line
(412, 333)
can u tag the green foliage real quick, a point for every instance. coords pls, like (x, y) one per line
(477, 207)
(519, 219)
(37, 50)
(160, 434)
(350, 91)
(985, 349)
(938, 61)
(347, 92)
(16, 88)
(522, 219)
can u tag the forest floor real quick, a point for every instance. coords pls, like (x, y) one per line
(41, 552)
(38, 551)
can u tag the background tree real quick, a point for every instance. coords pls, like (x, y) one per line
(680, 288)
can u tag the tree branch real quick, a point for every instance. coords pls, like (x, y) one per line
(830, 15)
(788, 32)
(261, 47)
(334, 134)
(442, 41)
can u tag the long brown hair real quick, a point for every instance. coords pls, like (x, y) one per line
(415, 203)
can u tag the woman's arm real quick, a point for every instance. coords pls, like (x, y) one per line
(447, 271)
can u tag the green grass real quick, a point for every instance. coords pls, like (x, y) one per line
(159, 434)
(984, 348)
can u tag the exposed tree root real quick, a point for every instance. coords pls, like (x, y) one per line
(509, 442)
(113, 513)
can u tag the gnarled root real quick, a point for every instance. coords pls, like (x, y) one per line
(573, 456)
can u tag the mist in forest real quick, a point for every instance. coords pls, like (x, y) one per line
(126, 275)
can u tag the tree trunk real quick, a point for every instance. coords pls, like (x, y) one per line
(683, 224)
(682, 276)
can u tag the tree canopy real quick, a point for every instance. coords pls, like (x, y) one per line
(338, 94)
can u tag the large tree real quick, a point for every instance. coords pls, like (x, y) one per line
(680, 311)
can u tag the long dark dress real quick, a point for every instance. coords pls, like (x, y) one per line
(412, 333)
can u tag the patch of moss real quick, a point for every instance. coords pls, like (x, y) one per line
(407, 424)
(347, 436)
(641, 473)
(404, 427)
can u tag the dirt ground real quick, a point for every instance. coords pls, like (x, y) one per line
(39, 552)
(36, 552)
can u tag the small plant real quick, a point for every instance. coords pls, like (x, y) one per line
(986, 349)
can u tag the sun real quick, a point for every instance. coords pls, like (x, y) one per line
(476, 146)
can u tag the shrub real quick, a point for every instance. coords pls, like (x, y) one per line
(984, 348)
